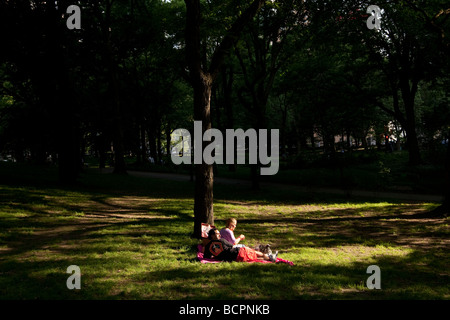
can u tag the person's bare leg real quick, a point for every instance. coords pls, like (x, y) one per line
(262, 256)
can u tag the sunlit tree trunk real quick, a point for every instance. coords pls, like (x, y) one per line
(202, 78)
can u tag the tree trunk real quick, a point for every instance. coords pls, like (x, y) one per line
(202, 79)
(444, 209)
(159, 145)
(152, 144)
(101, 149)
(119, 150)
(446, 204)
(62, 102)
(204, 176)
(411, 135)
(143, 145)
(168, 139)
(228, 104)
(408, 96)
(111, 65)
(68, 140)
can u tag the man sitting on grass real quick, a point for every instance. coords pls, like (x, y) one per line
(227, 233)
(221, 249)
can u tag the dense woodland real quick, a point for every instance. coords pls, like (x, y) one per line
(139, 69)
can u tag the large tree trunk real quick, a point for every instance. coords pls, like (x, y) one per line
(202, 78)
(204, 176)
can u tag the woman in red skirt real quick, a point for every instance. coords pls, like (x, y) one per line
(222, 249)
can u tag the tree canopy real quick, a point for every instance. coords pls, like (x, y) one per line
(136, 70)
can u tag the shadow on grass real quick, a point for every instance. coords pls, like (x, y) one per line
(109, 224)
(401, 278)
(315, 281)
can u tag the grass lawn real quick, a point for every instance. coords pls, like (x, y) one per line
(130, 237)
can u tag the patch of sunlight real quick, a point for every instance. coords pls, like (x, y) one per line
(350, 254)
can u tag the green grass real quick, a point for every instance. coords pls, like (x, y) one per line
(130, 238)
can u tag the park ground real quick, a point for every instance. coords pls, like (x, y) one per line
(130, 236)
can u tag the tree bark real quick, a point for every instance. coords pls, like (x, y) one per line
(204, 176)
(408, 96)
(202, 78)
(118, 137)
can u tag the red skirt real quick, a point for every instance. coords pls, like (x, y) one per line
(246, 254)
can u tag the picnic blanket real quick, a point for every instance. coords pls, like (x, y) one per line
(205, 260)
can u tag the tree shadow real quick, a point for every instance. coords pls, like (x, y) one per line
(110, 209)
(312, 281)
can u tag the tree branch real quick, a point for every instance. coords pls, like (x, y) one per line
(193, 51)
(232, 36)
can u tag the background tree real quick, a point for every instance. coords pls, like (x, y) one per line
(40, 52)
(261, 54)
(116, 89)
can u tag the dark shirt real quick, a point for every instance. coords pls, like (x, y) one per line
(221, 250)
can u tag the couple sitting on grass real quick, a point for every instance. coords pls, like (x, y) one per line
(224, 246)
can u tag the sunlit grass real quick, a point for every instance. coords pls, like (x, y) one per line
(131, 238)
